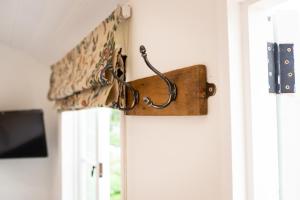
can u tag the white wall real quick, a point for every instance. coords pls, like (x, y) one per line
(175, 158)
(23, 85)
(168, 158)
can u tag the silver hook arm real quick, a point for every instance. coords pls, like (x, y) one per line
(134, 92)
(171, 85)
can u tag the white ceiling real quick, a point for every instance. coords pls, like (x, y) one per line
(48, 29)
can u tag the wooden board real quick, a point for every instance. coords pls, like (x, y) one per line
(191, 98)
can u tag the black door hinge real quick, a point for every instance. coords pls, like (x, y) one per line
(281, 68)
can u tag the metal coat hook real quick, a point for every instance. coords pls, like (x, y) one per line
(133, 91)
(172, 87)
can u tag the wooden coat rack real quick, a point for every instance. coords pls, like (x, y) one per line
(181, 92)
(192, 91)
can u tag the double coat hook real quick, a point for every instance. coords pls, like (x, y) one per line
(133, 91)
(147, 100)
(171, 86)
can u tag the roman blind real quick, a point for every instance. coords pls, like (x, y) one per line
(75, 80)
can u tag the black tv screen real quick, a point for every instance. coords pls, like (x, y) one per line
(22, 134)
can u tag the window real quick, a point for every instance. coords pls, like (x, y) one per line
(91, 154)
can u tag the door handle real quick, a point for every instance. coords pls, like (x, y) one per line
(100, 170)
(93, 171)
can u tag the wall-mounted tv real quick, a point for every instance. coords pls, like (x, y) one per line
(22, 134)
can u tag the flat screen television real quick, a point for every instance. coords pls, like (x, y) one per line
(22, 134)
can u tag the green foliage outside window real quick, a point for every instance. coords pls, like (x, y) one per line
(115, 155)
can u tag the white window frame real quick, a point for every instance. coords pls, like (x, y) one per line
(123, 158)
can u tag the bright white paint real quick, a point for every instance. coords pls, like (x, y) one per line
(237, 100)
(261, 163)
(263, 182)
(23, 85)
(263, 107)
(84, 135)
(175, 158)
(287, 31)
(48, 29)
(168, 158)
(260, 107)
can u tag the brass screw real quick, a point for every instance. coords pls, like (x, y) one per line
(286, 62)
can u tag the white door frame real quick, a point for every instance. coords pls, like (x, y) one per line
(240, 88)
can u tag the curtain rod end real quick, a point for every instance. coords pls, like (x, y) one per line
(126, 11)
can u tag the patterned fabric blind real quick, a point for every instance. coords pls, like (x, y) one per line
(75, 80)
